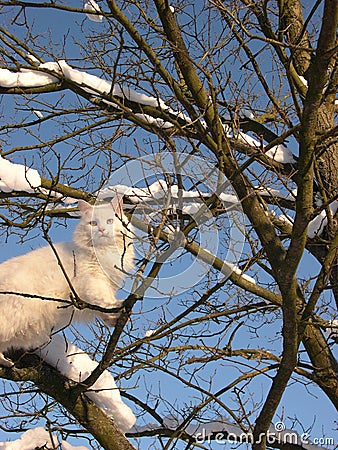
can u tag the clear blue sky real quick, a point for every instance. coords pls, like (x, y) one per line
(301, 402)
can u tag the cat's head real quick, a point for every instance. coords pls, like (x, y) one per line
(102, 225)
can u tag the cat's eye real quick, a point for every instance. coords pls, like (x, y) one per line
(93, 223)
(110, 221)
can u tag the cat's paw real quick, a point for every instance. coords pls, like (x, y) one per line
(5, 362)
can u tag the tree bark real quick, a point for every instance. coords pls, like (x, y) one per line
(30, 368)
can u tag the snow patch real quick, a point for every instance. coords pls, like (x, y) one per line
(246, 113)
(317, 225)
(239, 272)
(31, 439)
(286, 219)
(38, 113)
(276, 193)
(32, 58)
(149, 333)
(332, 331)
(38, 438)
(303, 80)
(91, 5)
(160, 123)
(76, 365)
(243, 137)
(282, 154)
(279, 153)
(25, 78)
(17, 177)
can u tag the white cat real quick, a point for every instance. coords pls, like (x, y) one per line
(96, 262)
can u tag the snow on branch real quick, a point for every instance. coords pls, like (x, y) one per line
(332, 331)
(160, 190)
(98, 87)
(317, 225)
(270, 192)
(26, 78)
(76, 365)
(17, 177)
(91, 84)
(233, 268)
(92, 6)
(279, 153)
(38, 438)
(66, 446)
(190, 203)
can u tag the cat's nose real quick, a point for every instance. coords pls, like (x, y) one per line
(102, 229)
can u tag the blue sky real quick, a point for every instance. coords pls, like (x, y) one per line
(303, 402)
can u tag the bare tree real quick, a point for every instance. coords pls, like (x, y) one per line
(247, 87)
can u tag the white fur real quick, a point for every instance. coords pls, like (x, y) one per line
(95, 262)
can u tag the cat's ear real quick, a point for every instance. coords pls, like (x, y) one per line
(84, 206)
(117, 204)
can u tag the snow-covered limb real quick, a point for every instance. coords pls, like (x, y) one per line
(76, 365)
(38, 438)
(282, 154)
(38, 113)
(159, 190)
(160, 123)
(96, 86)
(238, 271)
(34, 438)
(286, 219)
(66, 446)
(25, 78)
(149, 333)
(279, 153)
(332, 331)
(270, 192)
(317, 225)
(17, 177)
(91, 5)
(89, 83)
